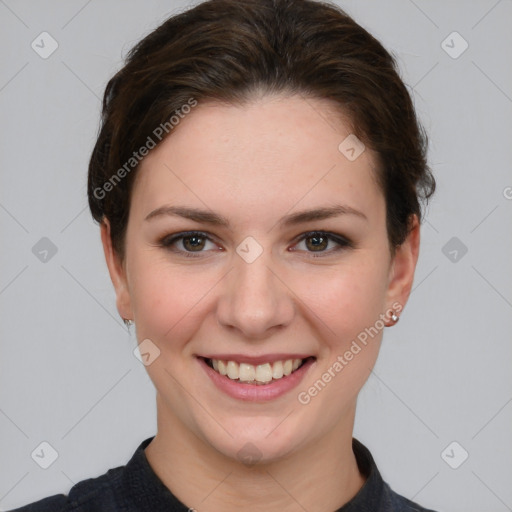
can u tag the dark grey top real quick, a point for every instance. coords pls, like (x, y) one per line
(136, 488)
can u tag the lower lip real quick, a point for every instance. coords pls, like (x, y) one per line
(257, 392)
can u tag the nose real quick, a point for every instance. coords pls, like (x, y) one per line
(255, 299)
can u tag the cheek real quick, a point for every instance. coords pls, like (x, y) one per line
(168, 301)
(349, 299)
(349, 305)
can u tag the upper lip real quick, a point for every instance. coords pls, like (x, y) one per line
(255, 360)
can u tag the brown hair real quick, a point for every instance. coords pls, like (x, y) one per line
(226, 50)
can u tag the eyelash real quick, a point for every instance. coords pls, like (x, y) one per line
(343, 243)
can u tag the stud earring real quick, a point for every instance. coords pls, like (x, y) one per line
(128, 322)
(395, 317)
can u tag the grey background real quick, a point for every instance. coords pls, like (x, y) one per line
(68, 375)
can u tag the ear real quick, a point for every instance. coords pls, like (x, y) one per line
(401, 274)
(117, 271)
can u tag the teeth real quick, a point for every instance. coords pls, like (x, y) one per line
(277, 370)
(246, 372)
(222, 366)
(262, 373)
(233, 370)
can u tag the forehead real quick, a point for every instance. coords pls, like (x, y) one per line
(266, 156)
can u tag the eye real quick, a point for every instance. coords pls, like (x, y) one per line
(318, 241)
(194, 243)
(191, 242)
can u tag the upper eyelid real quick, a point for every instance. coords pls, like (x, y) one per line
(185, 234)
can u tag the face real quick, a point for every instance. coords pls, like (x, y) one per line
(223, 263)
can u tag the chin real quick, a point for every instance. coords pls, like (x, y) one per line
(256, 440)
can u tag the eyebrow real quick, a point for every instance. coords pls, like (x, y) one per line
(209, 217)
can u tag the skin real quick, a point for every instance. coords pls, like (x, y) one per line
(254, 164)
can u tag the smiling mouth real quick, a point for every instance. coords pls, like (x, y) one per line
(256, 374)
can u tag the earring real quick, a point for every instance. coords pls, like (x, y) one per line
(395, 317)
(128, 322)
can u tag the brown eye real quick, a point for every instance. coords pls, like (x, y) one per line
(318, 242)
(191, 242)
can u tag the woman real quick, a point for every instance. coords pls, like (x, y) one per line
(257, 181)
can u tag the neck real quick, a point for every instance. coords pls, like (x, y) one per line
(320, 477)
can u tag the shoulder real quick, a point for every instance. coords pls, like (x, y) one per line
(376, 495)
(393, 502)
(113, 490)
(93, 494)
